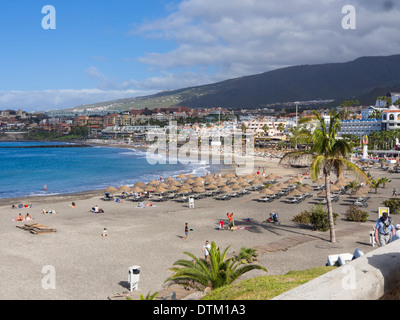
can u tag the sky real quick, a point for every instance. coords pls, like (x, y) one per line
(104, 50)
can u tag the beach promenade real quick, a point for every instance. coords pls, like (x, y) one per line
(86, 266)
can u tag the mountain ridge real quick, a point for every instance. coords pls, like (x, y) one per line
(356, 79)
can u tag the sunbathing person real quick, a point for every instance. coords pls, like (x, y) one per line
(28, 217)
(19, 218)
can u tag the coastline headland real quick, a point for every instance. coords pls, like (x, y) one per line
(48, 146)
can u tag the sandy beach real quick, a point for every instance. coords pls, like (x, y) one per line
(88, 266)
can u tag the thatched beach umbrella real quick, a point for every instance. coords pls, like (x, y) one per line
(183, 190)
(189, 181)
(160, 190)
(275, 188)
(198, 184)
(361, 192)
(111, 189)
(221, 184)
(211, 186)
(137, 190)
(282, 185)
(124, 188)
(225, 189)
(266, 191)
(181, 176)
(199, 190)
(335, 187)
(236, 187)
(256, 182)
(295, 192)
(272, 176)
(163, 185)
(321, 193)
(153, 183)
(140, 184)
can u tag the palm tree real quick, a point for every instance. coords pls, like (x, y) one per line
(266, 129)
(218, 272)
(374, 184)
(329, 155)
(383, 181)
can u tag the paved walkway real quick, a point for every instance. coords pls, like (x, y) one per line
(178, 292)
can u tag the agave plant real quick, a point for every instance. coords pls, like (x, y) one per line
(218, 272)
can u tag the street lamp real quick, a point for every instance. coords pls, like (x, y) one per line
(297, 106)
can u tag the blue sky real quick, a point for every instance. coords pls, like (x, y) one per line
(103, 50)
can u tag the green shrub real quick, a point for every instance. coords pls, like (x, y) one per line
(393, 205)
(303, 217)
(355, 214)
(317, 217)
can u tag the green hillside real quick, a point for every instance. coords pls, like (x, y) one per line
(361, 78)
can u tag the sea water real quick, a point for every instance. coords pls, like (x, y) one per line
(25, 171)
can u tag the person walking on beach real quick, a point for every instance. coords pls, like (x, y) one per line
(206, 251)
(394, 192)
(384, 230)
(186, 236)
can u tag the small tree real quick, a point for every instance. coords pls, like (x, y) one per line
(355, 214)
(218, 272)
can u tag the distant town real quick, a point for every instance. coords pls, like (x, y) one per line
(278, 127)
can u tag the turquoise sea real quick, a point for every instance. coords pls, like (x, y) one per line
(25, 171)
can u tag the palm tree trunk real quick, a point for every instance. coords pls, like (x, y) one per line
(329, 205)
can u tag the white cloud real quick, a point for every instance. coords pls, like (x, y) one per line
(237, 38)
(38, 100)
(218, 40)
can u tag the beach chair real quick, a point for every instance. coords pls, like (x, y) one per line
(266, 199)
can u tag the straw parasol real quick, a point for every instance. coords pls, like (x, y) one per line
(163, 185)
(172, 188)
(211, 186)
(140, 184)
(220, 184)
(189, 181)
(321, 193)
(153, 183)
(160, 190)
(282, 185)
(302, 189)
(335, 187)
(111, 189)
(190, 175)
(198, 190)
(245, 184)
(295, 192)
(256, 182)
(124, 188)
(225, 189)
(271, 176)
(266, 191)
(181, 176)
(229, 175)
(275, 188)
(236, 187)
(198, 184)
(137, 189)
(359, 193)
(183, 190)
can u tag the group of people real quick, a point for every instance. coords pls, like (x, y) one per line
(21, 217)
